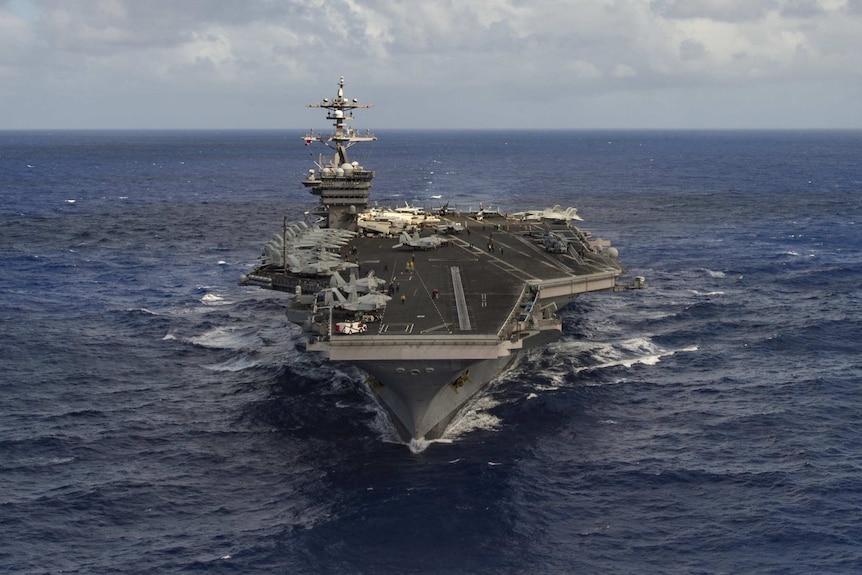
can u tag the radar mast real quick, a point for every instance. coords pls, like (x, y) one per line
(343, 186)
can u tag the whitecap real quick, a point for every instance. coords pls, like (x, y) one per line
(475, 416)
(142, 310)
(213, 299)
(225, 338)
(558, 378)
(628, 353)
(420, 445)
(42, 461)
(233, 365)
(646, 360)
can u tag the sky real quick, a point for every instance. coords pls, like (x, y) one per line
(426, 64)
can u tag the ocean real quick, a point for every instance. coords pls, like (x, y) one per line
(156, 417)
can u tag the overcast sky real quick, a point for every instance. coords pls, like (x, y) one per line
(432, 63)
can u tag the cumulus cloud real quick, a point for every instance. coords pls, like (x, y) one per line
(716, 10)
(221, 63)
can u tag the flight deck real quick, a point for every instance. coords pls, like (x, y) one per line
(479, 281)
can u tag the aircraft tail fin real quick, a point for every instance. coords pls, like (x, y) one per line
(403, 240)
(336, 280)
(341, 300)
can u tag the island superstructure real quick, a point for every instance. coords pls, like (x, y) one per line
(431, 305)
(343, 186)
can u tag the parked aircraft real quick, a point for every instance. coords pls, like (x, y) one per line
(363, 285)
(417, 243)
(369, 302)
(316, 263)
(408, 209)
(307, 244)
(555, 214)
(450, 228)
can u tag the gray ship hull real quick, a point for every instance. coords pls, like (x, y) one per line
(423, 406)
(423, 389)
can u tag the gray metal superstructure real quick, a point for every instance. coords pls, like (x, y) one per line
(437, 303)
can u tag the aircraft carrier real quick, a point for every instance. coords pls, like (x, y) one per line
(430, 304)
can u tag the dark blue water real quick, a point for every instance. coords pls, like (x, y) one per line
(158, 418)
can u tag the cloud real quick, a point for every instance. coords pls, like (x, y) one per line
(715, 10)
(221, 63)
(801, 9)
(690, 49)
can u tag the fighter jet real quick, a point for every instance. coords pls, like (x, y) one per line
(364, 285)
(555, 214)
(443, 210)
(417, 243)
(451, 228)
(309, 262)
(369, 302)
(408, 209)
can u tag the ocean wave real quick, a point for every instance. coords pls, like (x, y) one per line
(35, 462)
(213, 299)
(141, 310)
(475, 416)
(228, 338)
(574, 356)
(708, 293)
(150, 398)
(235, 364)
